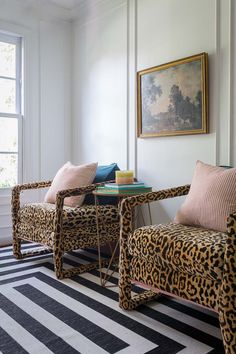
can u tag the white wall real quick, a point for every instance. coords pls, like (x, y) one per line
(55, 96)
(47, 79)
(158, 31)
(99, 86)
(168, 30)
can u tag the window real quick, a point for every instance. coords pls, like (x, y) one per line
(10, 110)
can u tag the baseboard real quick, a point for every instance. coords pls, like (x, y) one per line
(5, 239)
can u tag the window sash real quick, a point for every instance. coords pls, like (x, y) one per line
(18, 99)
(18, 79)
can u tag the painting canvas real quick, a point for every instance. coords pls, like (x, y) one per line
(172, 98)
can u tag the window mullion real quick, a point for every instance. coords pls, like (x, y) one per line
(10, 115)
(20, 150)
(7, 77)
(18, 76)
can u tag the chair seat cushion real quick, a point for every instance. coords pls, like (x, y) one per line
(194, 250)
(43, 214)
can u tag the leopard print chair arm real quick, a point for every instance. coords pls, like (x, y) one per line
(61, 195)
(128, 203)
(231, 224)
(230, 252)
(33, 185)
(15, 199)
(227, 300)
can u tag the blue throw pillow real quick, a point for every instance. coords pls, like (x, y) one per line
(103, 174)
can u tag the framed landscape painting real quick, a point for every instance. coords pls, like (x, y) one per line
(173, 98)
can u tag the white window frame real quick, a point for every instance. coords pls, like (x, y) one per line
(17, 40)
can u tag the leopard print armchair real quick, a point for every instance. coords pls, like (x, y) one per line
(193, 263)
(61, 228)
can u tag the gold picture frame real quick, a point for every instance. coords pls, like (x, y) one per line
(173, 98)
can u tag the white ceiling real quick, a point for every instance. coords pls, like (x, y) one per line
(64, 9)
(67, 4)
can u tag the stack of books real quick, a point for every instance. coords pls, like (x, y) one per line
(129, 189)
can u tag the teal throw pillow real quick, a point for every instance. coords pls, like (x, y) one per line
(103, 174)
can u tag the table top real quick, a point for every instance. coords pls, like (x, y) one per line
(100, 192)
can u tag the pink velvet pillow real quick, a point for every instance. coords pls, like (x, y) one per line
(212, 197)
(70, 176)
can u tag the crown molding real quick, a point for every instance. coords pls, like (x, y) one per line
(90, 10)
(41, 9)
(86, 11)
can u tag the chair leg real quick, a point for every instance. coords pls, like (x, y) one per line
(83, 268)
(227, 298)
(17, 248)
(62, 273)
(129, 302)
(227, 317)
(35, 252)
(126, 300)
(227, 307)
(20, 255)
(58, 261)
(16, 240)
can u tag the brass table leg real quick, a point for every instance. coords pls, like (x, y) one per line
(103, 280)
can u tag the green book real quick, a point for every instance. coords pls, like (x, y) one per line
(127, 191)
(134, 185)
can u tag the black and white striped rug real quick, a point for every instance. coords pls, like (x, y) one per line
(39, 314)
